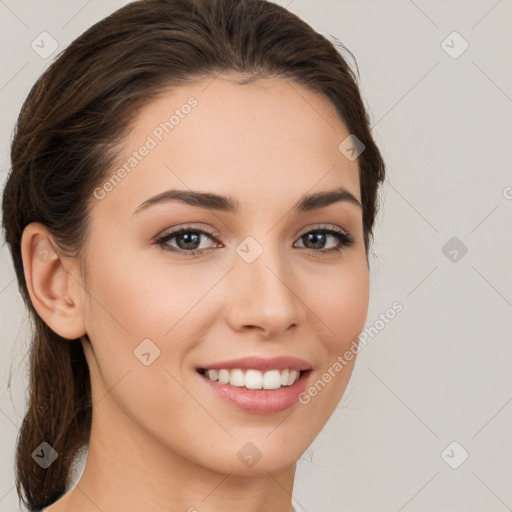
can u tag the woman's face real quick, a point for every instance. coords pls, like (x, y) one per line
(259, 280)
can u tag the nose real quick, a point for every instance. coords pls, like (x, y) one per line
(263, 296)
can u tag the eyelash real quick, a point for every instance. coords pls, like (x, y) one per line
(345, 239)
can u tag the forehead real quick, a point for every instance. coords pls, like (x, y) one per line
(269, 140)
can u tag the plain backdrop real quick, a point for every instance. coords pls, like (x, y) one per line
(425, 423)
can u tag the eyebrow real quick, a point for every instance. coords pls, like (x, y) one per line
(227, 204)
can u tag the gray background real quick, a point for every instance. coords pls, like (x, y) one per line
(440, 370)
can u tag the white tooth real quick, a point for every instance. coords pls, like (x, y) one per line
(224, 376)
(253, 379)
(237, 377)
(271, 379)
(292, 377)
(213, 374)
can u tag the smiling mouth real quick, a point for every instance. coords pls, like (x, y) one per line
(254, 379)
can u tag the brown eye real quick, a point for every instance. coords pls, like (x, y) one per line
(188, 241)
(315, 240)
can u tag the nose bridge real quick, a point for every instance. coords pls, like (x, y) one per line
(263, 293)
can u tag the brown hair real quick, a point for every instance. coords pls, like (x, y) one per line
(65, 142)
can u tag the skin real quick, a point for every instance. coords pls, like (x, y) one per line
(161, 439)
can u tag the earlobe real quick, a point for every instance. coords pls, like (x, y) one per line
(52, 289)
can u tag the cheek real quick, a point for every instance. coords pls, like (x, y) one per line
(139, 297)
(342, 303)
(135, 298)
(132, 301)
(342, 307)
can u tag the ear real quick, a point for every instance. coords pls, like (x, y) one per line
(54, 291)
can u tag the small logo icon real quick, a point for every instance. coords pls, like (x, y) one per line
(351, 147)
(249, 249)
(45, 251)
(454, 455)
(44, 45)
(146, 352)
(454, 45)
(249, 455)
(454, 249)
(44, 455)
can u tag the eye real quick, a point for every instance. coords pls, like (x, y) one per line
(317, 238)
(188, 240)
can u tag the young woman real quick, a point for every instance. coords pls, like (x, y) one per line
(189, 212)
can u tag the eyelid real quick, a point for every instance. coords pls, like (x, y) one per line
(188, 227)
(323, 227)
(349, 239)
(215, 236)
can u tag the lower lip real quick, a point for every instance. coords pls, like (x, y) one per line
(260, 401)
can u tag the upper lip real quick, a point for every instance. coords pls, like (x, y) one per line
(261, 363)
